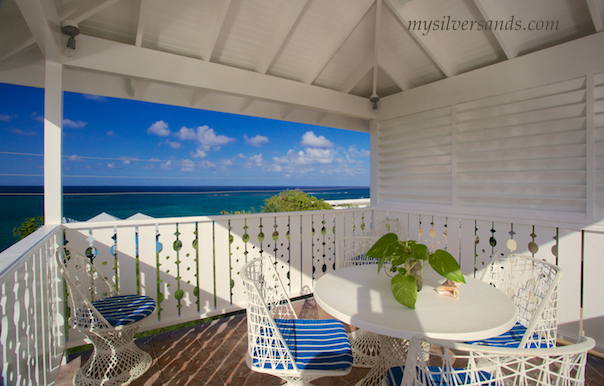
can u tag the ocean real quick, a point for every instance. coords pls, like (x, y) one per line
(80, 203)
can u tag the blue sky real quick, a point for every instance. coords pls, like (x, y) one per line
(109, 141)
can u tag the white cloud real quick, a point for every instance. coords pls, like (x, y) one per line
(256, 141)
(199, 154)
(307, 157)
(73, 124)
(256, 159)
(37, 117)
(112, 165)
(188, 166)
(96, 98)
(185, 134)
(74, 157)
(159, 128)
(22, 132)
(311, 140)
(5, 118)
(352, 150)
(167, 165)
(172, 144)
(111, 134)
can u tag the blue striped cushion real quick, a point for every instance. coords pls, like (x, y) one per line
(510, 338)
(316, 344)
(125, 309)
(395, 377)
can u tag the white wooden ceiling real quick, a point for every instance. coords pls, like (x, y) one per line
(295, 55)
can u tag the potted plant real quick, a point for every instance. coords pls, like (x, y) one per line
(408, 259)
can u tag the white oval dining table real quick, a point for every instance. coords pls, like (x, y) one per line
(362, 298)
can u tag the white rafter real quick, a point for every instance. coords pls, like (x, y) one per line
(376, 45)
(140, 25)
(213, 35)
(489, 11)
(358, 9)
(79, 10)
(596, 14)
(39, 16)
(283, 28)
(357, 74)
(430, 45)
(125, 60)
(13, 47)
(393, 70)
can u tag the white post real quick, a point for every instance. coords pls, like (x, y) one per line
(373, 154)
(53, 143)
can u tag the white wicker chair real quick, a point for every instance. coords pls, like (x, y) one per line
(296, 350)
(351, 251)
(533, 286)
(108, 319)
(437, 362)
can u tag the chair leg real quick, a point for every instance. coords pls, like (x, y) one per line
(365, 348)
(393, 353)
(116, 360)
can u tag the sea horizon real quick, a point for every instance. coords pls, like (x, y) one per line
(81, 203)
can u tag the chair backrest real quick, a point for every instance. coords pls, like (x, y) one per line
(266, 301)
(387, 226)
(351, 251)
(533, 286)
(430, 360)
(85, 285)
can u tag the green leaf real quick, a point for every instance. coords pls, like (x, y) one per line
(420, 252)
(446, 265)
(384, 247)
(404, 290)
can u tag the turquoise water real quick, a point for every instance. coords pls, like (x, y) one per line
(82, 203)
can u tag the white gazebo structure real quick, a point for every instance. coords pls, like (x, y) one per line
(486, 120)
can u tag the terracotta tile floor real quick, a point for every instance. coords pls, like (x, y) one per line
(214, 354)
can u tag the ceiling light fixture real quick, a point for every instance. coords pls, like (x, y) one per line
(70, 28)
(374, 99)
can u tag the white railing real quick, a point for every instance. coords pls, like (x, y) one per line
(191, 264)
(32, 308)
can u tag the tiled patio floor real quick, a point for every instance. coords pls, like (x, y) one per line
(214, 354)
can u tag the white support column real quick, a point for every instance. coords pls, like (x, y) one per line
(373, 154)
(53, 143)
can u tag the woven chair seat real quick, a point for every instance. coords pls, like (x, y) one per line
(512, 339)
(315, 344)
(125, 309)
(435, 374)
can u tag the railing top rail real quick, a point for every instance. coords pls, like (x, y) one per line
(11, 258)
(192, 219)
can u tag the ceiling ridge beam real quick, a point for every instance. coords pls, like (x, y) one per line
(595, 15)
(432, 48)
(345, 28)
(213, 35)
(80, 10)
(488, 12)
(126, 60)
(39, 16)
(140, 24)
(376, 46)
(283, 29)
(394, 71)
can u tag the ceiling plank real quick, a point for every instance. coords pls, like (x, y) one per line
(430, 45)
(80, 10)
(213, 35)
(124, 60)
(376, 46)
(394, 71)
(357, 11)
(40, 15)
(489, 11)
(140, 25)
(281, 32)
(357, 74)
(595, 14)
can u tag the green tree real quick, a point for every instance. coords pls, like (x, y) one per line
(243, 211)
(293, 200)
(28, 227)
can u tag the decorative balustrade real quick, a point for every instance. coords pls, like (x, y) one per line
(191, 266)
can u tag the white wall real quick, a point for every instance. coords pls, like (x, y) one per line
(519, 143)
